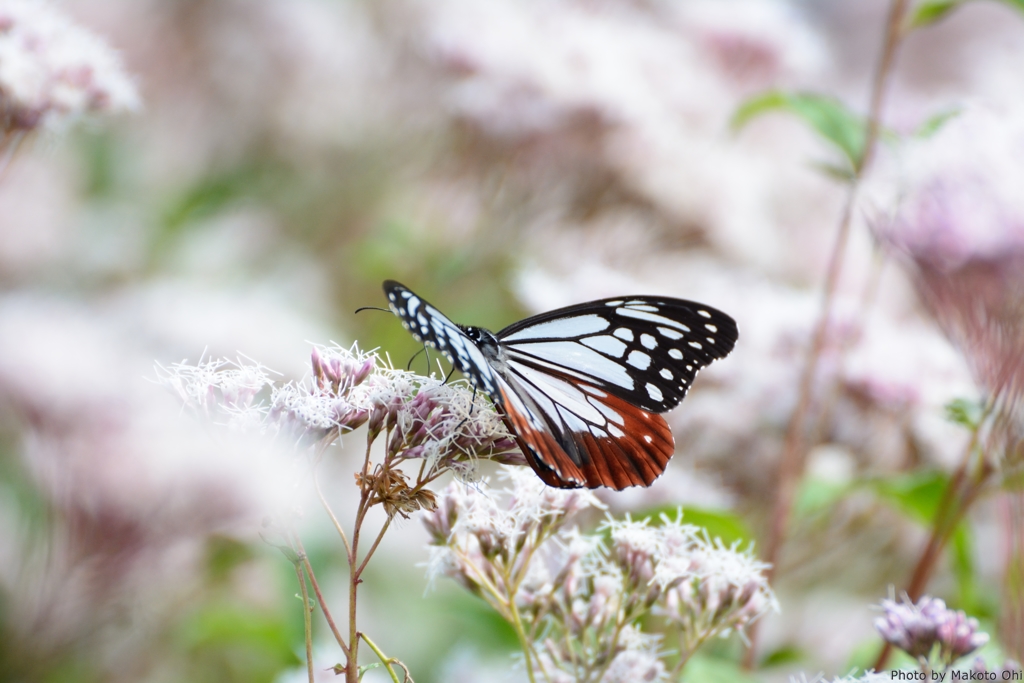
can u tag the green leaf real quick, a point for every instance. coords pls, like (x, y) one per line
(722, 524)
(1016, 4)
(931, 11)
(815, 495)
(827, 116)
(842, 173)
(224, 554)
(935, 123)
(254, 645)
(366, 667)
(916, 494)
(787, 654)
(961, 551)
(965, 412)
(703, 669)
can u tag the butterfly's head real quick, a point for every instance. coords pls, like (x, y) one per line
(484, 340)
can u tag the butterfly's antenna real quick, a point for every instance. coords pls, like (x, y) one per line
(409, 365)
(449, 375)
(373, 308)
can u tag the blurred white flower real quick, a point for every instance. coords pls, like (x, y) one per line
(631, 101)
(868, 677)
(637, 662)
(52, 71)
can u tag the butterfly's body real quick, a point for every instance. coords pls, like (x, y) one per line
(581, 387)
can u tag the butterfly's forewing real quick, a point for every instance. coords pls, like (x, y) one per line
(429, 326)
(646, 350)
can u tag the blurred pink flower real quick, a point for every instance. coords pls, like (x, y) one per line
(52, 71)
(959, 229)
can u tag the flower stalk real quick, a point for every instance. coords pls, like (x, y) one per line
(795, 446)
(445, 427)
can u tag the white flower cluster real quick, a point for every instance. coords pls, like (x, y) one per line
(52, 70)
(446, 424)
(576, 599)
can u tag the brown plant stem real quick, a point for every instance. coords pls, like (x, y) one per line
(319, 596)
(956, 500)
(352, 663)
(373, 547)
(795, 448)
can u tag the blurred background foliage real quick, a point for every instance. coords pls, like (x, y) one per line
(501, 158)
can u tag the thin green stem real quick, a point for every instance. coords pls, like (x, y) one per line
(319, 596)
(330, 513)
(528, 653)
(307, 621)
(386, 661)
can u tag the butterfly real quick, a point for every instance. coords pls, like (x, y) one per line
(581, 387)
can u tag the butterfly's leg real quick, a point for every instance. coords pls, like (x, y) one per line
(472, 406)
(408, 365)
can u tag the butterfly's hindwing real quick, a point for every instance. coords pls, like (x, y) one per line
(581, 387)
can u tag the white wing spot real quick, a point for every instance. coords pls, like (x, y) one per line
(412, 305)
(676, 353)
(648, 341)
(593, 391)
(666, 373)
(654, 392)
(711, 327)
(624, 333)
(406, 294)
(711, 340)
(639, 360)
(703, 314)
(696, 345)
(572, 356)
(642, 307)
(605, 344)
(647, 438)
(391, 295)
(671, 334)
(689, 368)
(616, 432)
(612, 415)
(560, 328)
(617, 302)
